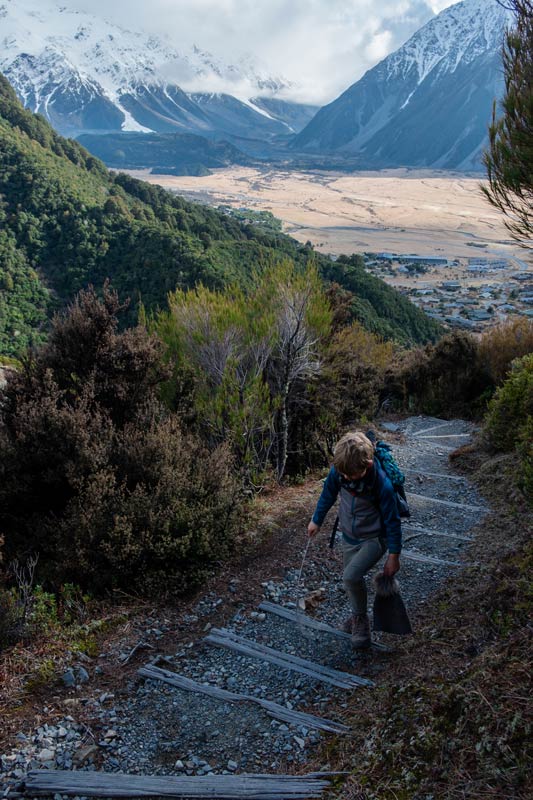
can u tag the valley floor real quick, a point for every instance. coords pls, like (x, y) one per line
(430, 214)
(478, 276)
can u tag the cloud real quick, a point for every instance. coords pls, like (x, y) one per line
(320, 46)
(439, 5)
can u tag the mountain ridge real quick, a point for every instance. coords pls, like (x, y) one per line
(428, 104)
(85, 75)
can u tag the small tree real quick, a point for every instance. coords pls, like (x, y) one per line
(224, 340)
(500, 345)
(302, 317)
(509, 159)
(249, 356)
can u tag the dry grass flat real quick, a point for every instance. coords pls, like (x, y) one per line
(400, 211)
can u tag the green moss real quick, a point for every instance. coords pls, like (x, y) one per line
(86, 643)
(43, 677)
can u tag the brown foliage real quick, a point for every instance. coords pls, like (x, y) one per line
(500, 345)
(446, 379)
(354, 366)
(95, 476)
(346, 393)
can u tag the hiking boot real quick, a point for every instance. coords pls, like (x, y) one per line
(360, 632)
(347, 625)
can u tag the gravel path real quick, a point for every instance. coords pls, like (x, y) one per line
(157, 729)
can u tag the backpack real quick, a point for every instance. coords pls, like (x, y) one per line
(387, 462)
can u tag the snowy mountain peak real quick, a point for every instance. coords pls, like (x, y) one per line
(427, 104)
(48, 51)
(458, 35)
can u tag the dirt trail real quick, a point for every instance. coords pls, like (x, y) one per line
(151, 727)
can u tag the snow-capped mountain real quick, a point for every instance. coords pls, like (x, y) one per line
(86, 74)
(427, 104)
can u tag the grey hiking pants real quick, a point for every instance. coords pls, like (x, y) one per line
(358, 559)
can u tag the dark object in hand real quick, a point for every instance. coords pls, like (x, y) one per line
(390, 615)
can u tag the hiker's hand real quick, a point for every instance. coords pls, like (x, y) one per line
(312, 529)
(392, 565)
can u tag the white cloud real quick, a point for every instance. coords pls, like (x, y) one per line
(322, 46)
(439, 5)
(379, 46)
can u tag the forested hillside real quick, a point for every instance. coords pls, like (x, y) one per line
(164, 153)
(65, 222)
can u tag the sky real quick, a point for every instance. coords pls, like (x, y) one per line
(321, 46)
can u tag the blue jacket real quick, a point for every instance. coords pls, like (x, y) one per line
(367, 507)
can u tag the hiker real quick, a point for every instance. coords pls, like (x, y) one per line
(368, 520)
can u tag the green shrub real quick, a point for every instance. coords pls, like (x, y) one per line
(96, 477)
(153, 519)
(509, 421)
(511, 406)
(43, 677)
(42, 613)
(246, 359)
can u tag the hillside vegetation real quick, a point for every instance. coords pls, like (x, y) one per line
(163, 153)
(65, 222)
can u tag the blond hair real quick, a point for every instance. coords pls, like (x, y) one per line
(353, 453)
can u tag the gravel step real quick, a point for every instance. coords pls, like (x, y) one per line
(310, 622)
(423, 499)
(416, 529)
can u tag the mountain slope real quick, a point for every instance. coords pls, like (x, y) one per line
(65, 221)
(85, 74)
(163, 153)
(427, 104)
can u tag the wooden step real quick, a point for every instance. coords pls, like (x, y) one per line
(448, 503)
(441, 475)
(436, 427)
(223, 787)
(321, 627)
(445, 436)
(273, 709)
(433, 559)
(221, 637)
(415, 529)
